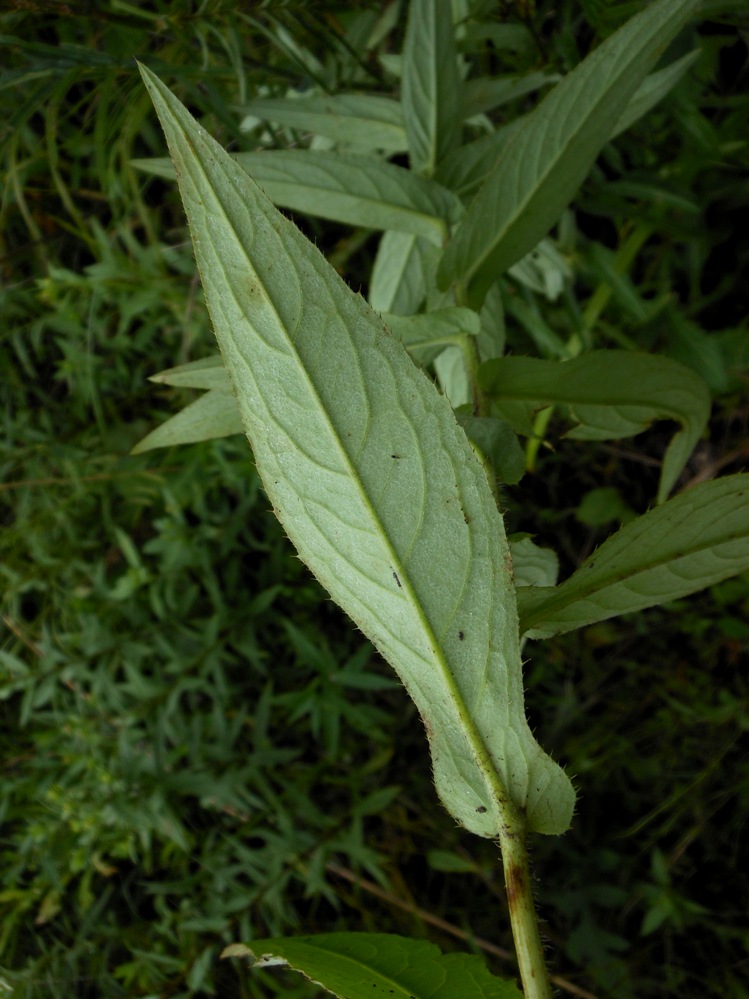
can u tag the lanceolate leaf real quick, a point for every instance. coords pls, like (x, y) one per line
(213, 415)
(430, 84)
(366, 965)
(374, 483)
(350, 119)
(467, 167)
(397, 283)
(695, 540)
(611, 393)
(539, 171)
(355, 190)
(207, 373)
(485, 93)
(652, 90)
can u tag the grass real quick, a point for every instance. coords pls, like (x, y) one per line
(196, 747)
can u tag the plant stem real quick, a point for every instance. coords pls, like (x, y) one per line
(533, 972)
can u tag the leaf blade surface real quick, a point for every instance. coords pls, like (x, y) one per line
(430, 84)
(365, 120)
(359, 965)
(612, 393)
(692, 541)
(354, 190)
(373, 481)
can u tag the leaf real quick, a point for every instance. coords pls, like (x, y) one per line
(207, 373)
(429, 84)
(397, 281)
(652, 90)
(488, 92)
(426, 335)
(366, 965)
(497, 441)
(466, 167)
(350, 119)
(533, 565)
(354, 190)
(694, 540)
(213, 415)
(611, 393)
(374, 483)
(530, 317)
(538, 173)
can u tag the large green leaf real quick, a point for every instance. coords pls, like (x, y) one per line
(696, 539)
(350, 119)
(611, 394)
(430, 84)
(538, 173)
(355, 190)
(363, 965)
(374, 482)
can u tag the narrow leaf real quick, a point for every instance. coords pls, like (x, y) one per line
(354, 190)
(611, 393)
(467, 167)
(374, 483)
(694, 540)
(397, 281)
(213, 415)
(652, 90)
(363, 965)
(486, 93)
(207, 373)
(430, 84)
(539, 172)
(350, 119)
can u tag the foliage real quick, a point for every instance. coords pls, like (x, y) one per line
(193, 742)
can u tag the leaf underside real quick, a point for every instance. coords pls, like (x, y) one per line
(374, 482)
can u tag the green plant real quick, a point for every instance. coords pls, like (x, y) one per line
(359, 453)
(196, 747)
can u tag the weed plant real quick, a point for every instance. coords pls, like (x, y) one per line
(196, 748)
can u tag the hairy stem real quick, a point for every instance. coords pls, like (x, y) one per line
(533, 972)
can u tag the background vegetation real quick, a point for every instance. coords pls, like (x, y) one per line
(196, 748)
